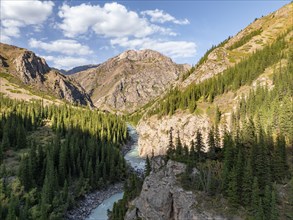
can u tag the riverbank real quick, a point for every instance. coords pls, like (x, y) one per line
(91, 201)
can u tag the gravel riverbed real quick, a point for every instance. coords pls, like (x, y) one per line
(91, 201)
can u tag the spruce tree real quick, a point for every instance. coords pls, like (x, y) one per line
(199, 146)
(255, 196)
(212, 144)
(232, 191)
(1, 154)
(148, 167)
(267, 202)
(274, 214)
(247, 184)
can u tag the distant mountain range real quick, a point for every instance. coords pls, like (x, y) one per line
(76, 69)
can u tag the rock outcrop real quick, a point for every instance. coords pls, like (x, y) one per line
(32, 70)
(129, 80)
(154, 132)
(162, 197)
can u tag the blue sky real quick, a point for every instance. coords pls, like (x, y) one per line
(73, 33)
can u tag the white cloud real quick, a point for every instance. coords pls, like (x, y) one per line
(66, 62)
(65, 46)
(5, 39)
(111, 20)
(161, 17)
(18, 14)
(174, 49)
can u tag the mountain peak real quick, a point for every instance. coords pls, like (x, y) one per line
(139, 55)
(129, 80)
(29, 69)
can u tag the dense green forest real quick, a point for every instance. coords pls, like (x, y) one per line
(252, 159)
(44, 179)
(231, 79)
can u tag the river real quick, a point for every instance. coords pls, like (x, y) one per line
(136, 162)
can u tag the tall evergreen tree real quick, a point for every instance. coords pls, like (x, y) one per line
(148, 167)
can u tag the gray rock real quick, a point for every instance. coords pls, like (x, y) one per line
(129, 80)
(34, 71)
(162, 198)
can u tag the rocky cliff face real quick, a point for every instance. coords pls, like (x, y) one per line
(30, 68)
(129, 80)
(162, 197)
(154, 132)
(34, 71)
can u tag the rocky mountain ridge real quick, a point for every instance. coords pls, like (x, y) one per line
(153, 130)
(31, 70)
(255, 36)
(129, 80)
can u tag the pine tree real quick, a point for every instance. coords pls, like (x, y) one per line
(179, 147)
(280, 160)
(1, 154)
(217, 116)
(170, 149)
(239, 169)
(232, 191)
(228, 147)
(247, 184)
(267, 202)
(148, 167)
(260, 211)
(212, 145)
(25, 173)
(255, 196)
(5, 140)
(274, 215)
(199, 146)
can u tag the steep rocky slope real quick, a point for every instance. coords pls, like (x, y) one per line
(254, 37)
(153, 130)
(29, 71)
(162, 197)
(129, 80)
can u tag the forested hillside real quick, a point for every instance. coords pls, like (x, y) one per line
(52, 155)
(251, 160)
(211, 88)
(232, 128)
(250, 165)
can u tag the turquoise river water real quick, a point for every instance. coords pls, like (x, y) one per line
(138, 163)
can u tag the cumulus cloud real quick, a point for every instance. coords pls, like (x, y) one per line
(111, 20)
(18, 14)
(174, 49)
(66, 62)
(65, 46)
(160, 16)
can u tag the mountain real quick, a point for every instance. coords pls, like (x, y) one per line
(30, 75)
(77, 69)
(129, 80)
(227, 73)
